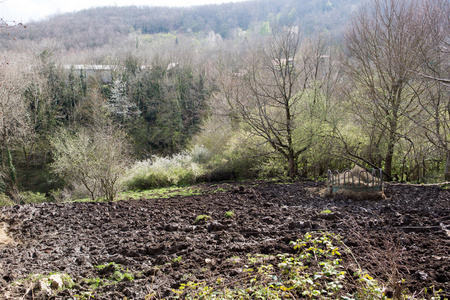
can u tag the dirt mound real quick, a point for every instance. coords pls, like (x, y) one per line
(155, 245)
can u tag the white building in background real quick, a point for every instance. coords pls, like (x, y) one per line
(105, 72)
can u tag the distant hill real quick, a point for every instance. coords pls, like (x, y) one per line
(99, 26)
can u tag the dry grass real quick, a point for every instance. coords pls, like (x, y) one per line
(359, 195)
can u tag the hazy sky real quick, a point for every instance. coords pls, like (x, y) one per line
(26, 10)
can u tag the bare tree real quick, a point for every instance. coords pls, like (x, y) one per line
(383, 44)
(435, 59)
(13, 117)
(277, 84)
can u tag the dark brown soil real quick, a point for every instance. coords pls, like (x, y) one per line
(408, 231)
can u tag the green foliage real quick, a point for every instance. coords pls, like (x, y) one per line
(172, 104)
(315, 272)
(2, 185)
(180, 169)
(201, 218)
(292, 15)
(94, 158)
(241, 156)
(114, 273)
(28, 197)
(275, 167)
(265, 29)
(229, 215)
(11, 168)
(200, 154)
(5, 200)
(160, 193)
(177, 259)
(67, 281)
(165, 100)
(110, 274)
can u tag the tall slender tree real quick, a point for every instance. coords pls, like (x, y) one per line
(383, 44)
(13, 118)
(435, 74)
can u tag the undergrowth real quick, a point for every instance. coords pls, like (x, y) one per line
(320, 267)
(315, 271)
(180, 169)
(109, 274)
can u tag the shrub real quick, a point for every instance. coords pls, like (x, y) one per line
(201, 155)
(93, 157)
(232, 152)
(272, 168)
(5, 200)
(30, 197)
(180, 169)
(242, 155)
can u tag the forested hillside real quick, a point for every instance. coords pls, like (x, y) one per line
(99, 26)
(116, 98)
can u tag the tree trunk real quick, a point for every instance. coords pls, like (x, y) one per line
(390, 147)
(447, 167)
(11, 168)
(293, 166)
(388, 160)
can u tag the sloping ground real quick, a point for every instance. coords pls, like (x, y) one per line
(159, 243)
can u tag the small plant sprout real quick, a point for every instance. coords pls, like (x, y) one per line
(201, 218)
(230, 215)
(177, 259)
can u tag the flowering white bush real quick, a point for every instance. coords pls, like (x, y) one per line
(179, 169)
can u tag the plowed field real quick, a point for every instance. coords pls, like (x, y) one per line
(159, 242)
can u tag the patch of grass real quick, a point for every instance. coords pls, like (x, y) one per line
(218, 190)
(166, 192)
(163, 193)
(445, 186)
(30, 197)
(87, 200)
(5, 200)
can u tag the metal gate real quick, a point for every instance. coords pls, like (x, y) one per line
(357, 179)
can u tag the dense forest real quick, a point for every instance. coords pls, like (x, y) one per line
(104, 25)
(117, 98)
